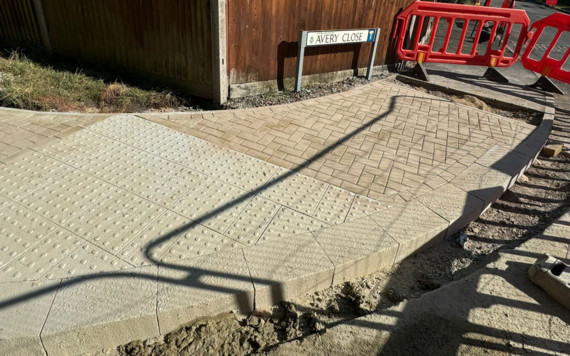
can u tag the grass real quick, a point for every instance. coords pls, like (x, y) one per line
(27, 84)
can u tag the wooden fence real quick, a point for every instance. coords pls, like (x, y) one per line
(263, 36)
(172, 39)
(18, 21)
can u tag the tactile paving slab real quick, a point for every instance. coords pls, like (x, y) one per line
(196, 241)
(146, 248)
(28, 173)
(191, 152)
(253, 220)
(188, 151)
(295, 191)
(213, 203)
(115, 220)
(66, 196)
(20, 229)
(116, 165)
(34, 262)
(122, 127)
(245, 172)
(289, 222)
(161, 181)
(363, 206)
(87, 259)
(334, 206)
(79, 147)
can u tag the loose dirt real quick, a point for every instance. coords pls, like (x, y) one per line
(540, 197)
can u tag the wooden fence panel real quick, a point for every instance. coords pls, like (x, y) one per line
(263, 36)
(169, 39)
(18, 22)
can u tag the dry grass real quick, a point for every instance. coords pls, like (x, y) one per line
(25, 84)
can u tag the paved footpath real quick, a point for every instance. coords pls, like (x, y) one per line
(134, 225)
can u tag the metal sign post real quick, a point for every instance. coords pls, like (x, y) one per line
(329, 38)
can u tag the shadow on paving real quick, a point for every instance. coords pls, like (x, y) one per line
(200, 275)
(446, 329)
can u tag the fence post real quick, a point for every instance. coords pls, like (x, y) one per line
(219, 62)
(42, 23)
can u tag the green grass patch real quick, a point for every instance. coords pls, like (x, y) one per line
(26, 84)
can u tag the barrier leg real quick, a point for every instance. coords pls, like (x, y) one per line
(545, 84)
(420, 72)
(494, 75)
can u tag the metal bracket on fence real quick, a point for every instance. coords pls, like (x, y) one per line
(338, 37)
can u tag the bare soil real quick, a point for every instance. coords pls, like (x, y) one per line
(540, 197)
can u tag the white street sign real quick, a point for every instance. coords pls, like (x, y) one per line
(323, 38)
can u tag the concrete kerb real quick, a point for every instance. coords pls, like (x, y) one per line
(328, 256)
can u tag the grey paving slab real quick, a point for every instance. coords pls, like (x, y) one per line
(21, 323)
(357, 248)
(335, 205)
(290, 222)
(212, 202)
(147, 247)
(251, 223)
(485, 183)
(454, 205)
(28, 173)
(244, 172)
(282, 269)
(295, 191)
(115, 220)
(412, 225)
(201, 287)
(161, 181)
(96, 313)
(38, 259)
(20, 229)
(66, 196)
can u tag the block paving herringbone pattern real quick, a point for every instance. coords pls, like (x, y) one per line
(378, 140)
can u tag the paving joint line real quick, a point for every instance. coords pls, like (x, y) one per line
(47, 316)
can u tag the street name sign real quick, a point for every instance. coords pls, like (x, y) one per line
(323, 38)
(335, 37)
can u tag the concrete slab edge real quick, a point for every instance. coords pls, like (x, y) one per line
(436, 87)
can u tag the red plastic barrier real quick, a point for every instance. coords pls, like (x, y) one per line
(551, 2)
(548, 66)
(451, 13)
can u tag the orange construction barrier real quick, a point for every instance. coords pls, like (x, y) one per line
(547, 66)
(505, 18)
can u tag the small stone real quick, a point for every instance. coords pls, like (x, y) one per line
(552, 150)
(462, 239)
(523, 179)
